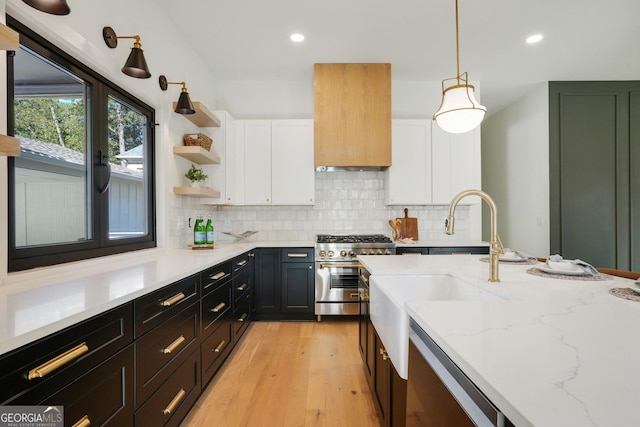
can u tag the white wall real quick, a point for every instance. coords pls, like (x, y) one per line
(515, 171)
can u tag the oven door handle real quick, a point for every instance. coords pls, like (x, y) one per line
(340, 265)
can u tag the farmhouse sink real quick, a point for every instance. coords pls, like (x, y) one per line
(388, 295)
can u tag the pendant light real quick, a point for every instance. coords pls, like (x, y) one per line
(136, 65)
(54, 7)
(459, 111)
(184, 105)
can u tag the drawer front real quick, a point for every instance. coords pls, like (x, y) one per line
(241, 262)
(52, 361)
(460, 250)
(241, 318)
(296, 255)
(241, 284)
(103, 396)
(216, 348)
(169, 405)
(156, 307)
(170, 342)
(215, 305)
(213, 277)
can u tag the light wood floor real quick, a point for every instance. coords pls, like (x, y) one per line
(290, 374)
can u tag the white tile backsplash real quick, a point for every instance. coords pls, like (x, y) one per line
(346, 202)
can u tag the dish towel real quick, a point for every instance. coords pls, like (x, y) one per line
(586, 267)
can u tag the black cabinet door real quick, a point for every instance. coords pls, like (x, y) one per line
(268, 298)
(297, 287)
(382, 381)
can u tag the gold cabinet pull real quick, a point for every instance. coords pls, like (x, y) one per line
(174, 299)
(58, 361)
(83, 422)
(384, 354)
(364, 297)
(218, 308)
(220, 346)
(174, 402)
(242, 287)
(296, 255)
(169, 349)
(241, 263)
(242, 318)
(218, 275)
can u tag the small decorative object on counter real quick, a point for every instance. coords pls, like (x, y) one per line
(209, 231)
(195, 175)
(197, 139)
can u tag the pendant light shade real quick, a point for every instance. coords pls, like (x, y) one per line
(459, 111)
(184, 105)
(135, 66)
(54, 7)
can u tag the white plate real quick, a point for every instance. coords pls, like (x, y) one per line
(567, 272)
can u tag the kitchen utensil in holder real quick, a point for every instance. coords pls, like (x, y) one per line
(197, 139)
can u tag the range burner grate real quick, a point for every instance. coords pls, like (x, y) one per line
(353, 238)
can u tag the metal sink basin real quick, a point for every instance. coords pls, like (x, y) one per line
(388, 295)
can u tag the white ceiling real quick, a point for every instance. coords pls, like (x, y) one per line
(583, 40)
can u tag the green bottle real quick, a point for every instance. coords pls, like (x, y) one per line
(199, 233)
(209, 231)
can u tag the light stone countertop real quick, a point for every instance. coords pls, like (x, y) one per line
(37, 303)
(553, 352)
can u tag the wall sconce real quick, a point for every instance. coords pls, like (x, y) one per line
(136, 66)
(184, 105)
(54, 7)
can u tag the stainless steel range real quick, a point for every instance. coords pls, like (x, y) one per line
(337, 269)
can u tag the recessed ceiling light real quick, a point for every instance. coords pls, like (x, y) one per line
(296, 37)
(534, 38)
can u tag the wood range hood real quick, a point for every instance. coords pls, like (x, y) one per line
(352, 116)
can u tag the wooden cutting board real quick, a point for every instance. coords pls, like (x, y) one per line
(409, 226)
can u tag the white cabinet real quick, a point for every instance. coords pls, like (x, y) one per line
(408, 180)
(257, 162)
(292, 169)
(431, 166)
(456, 164)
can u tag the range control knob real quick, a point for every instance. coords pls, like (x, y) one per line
(323, 254)
(330, 254)
(387, 252)
(372, 252)
(380, 252)
(363, 252)
(352, 254)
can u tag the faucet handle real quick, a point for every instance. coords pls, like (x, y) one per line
(499, 247)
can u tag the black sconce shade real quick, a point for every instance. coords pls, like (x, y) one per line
(184, 105)
(54, 7)
(135, 66)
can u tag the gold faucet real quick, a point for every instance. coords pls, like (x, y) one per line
(496, 248)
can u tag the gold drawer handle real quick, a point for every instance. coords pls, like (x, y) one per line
(241, 263)
(58, 361)
(174, 345)
(218, 308)
(242, 287)
(220, 346)
(83, 422)
(364, 297)
(242, 318)
(174, 299)
(296, 255)
(174, 402)
(218, 275)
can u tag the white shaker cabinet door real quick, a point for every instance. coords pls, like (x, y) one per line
(292, 168)
(456, 164)
(257, 162)
(408, 180)
(222, 176)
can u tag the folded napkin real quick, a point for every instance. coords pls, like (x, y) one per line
(585, 266)
(517, 253)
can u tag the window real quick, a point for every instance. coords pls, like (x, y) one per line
(83, 184)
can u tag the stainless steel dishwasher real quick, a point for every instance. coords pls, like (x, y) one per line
(439, 393)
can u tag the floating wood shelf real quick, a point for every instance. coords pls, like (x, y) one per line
(203, 117)
(196, 191)
(9, 39)
(197, 154)
(9, 146)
